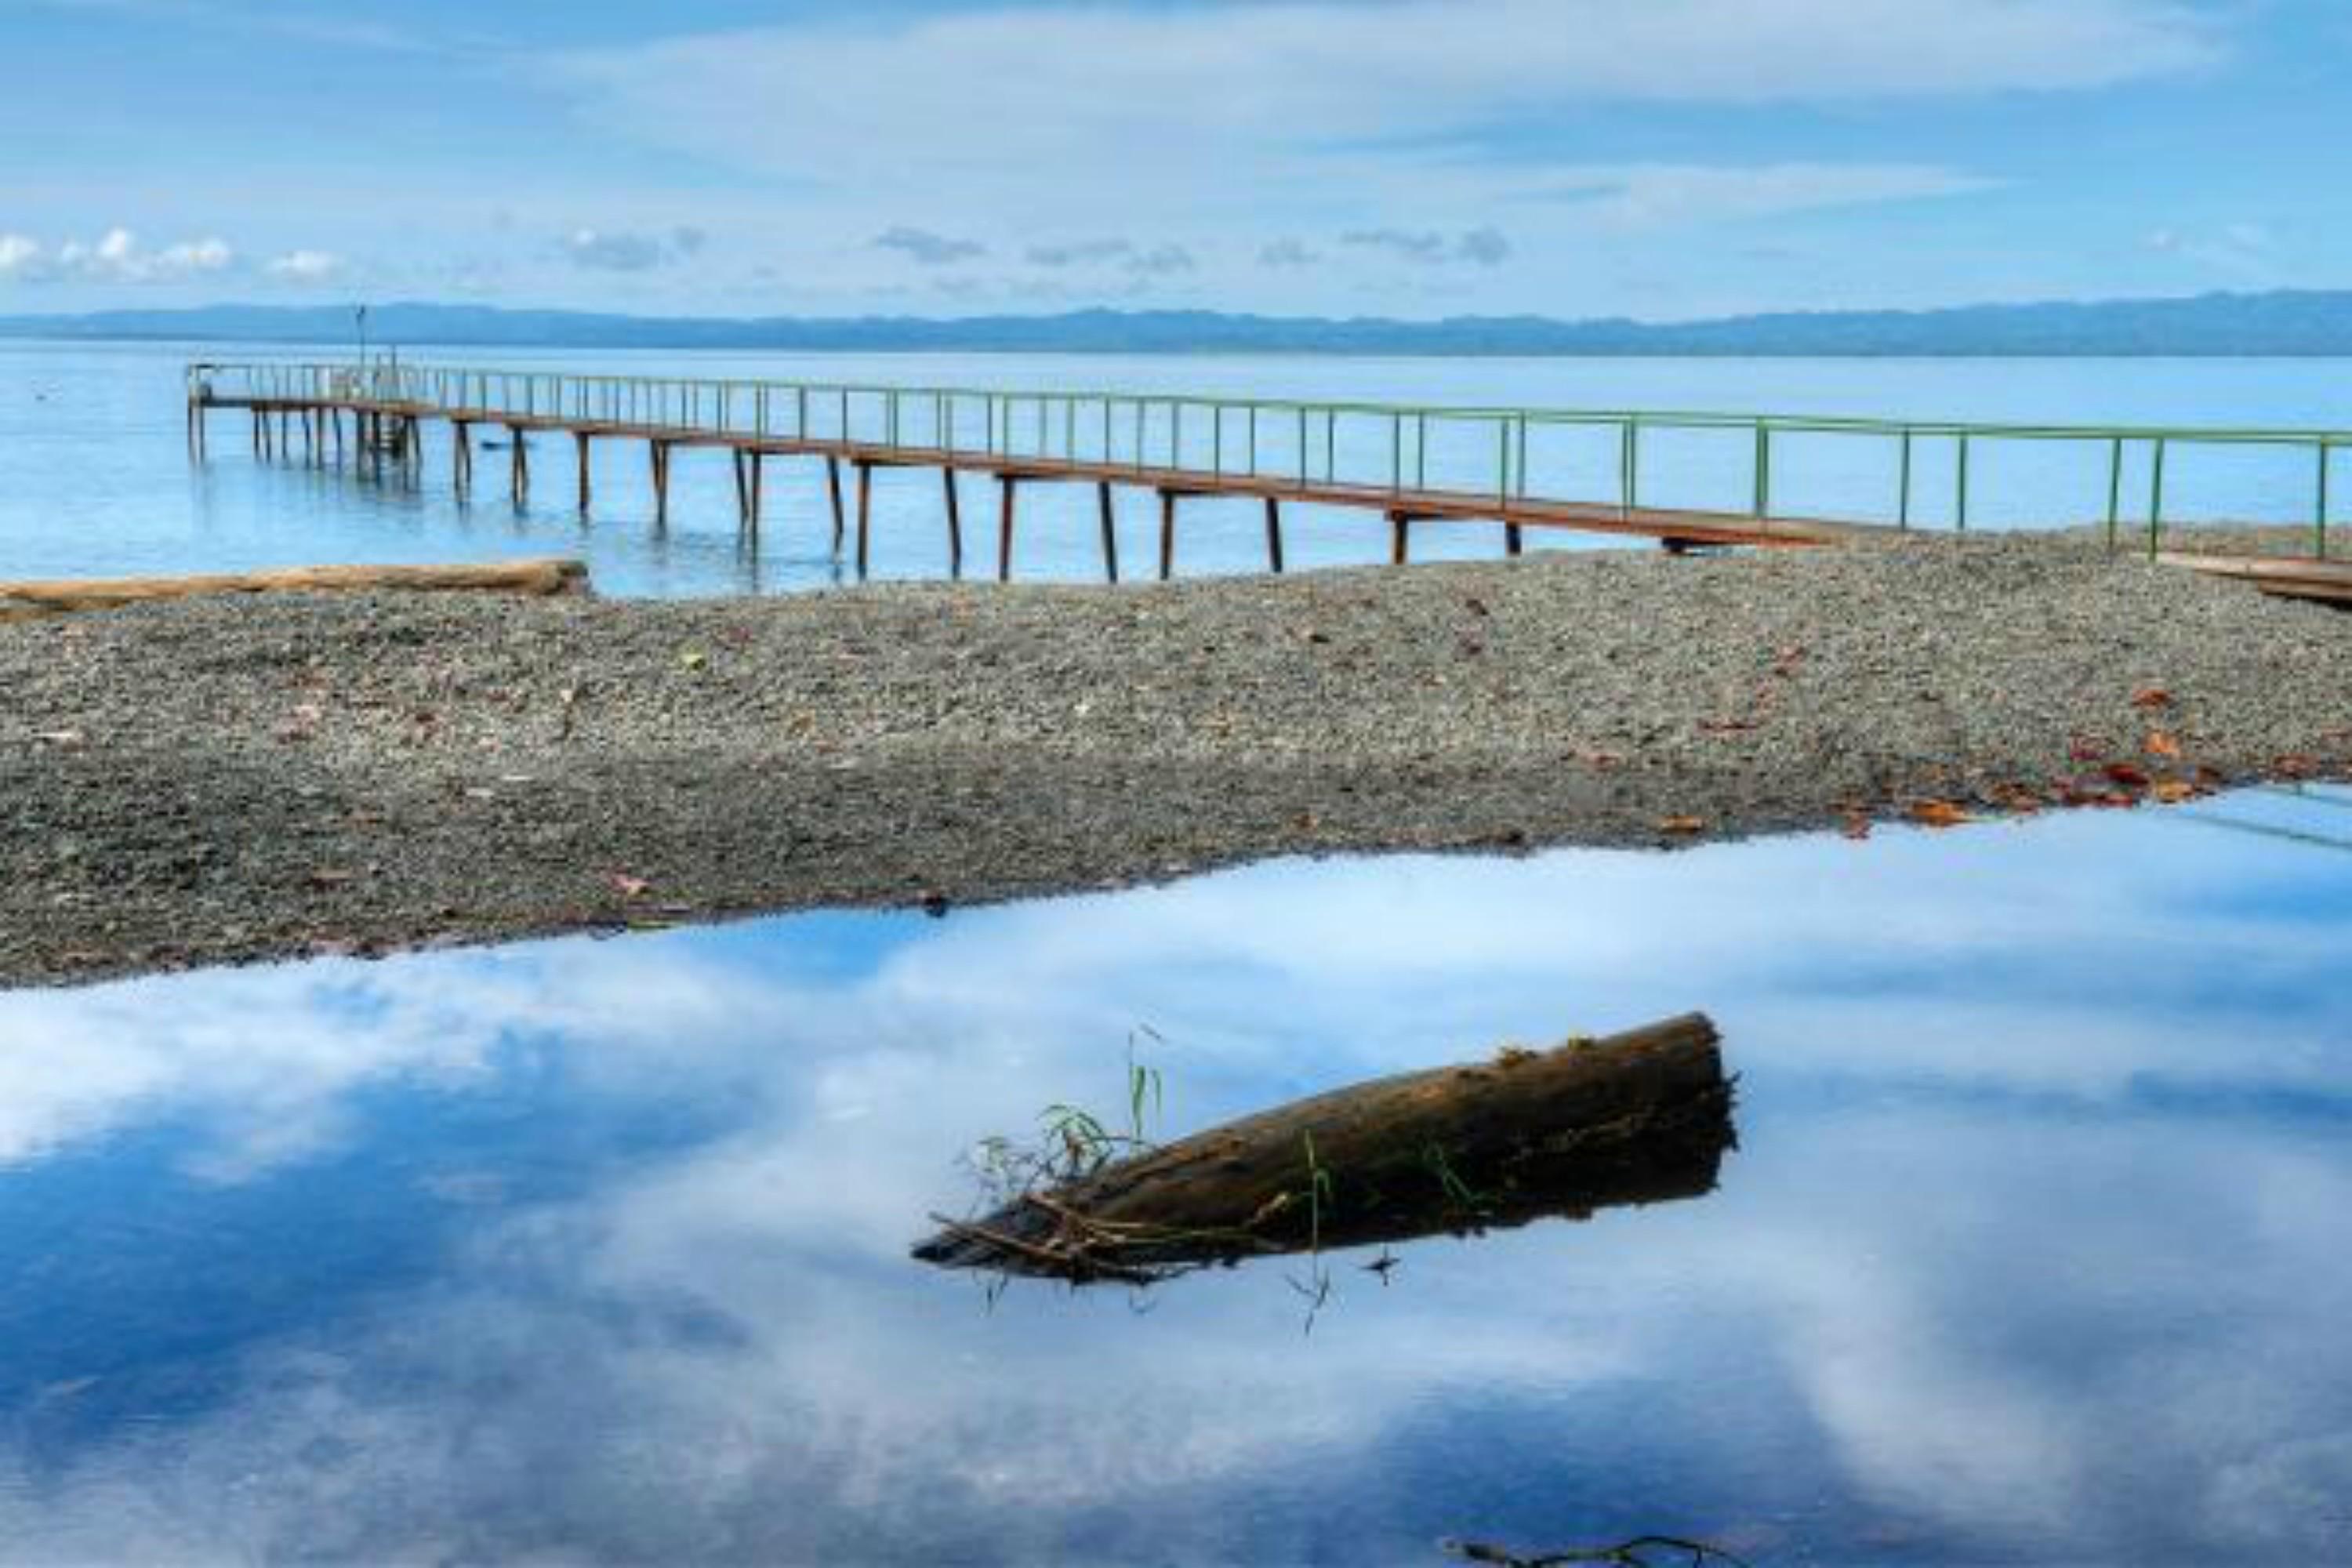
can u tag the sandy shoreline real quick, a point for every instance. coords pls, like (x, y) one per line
(201, 782)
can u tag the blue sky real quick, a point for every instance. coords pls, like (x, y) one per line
(1660, 159)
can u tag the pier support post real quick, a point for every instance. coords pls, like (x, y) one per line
(658, 451)
(1274, 534)
(461, 457)
(519, 449)
(1010, 487)
(1513, 544)
(1109, 511)
(742, 489)
(1167, 534)
(864, 515)
(1399, 536)
(955, 523)
(759, 461)
(580, 440)
(833, 484)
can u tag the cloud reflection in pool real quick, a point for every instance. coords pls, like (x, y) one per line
(2033, 1246)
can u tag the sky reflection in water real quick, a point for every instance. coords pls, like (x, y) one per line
(2034, 1248)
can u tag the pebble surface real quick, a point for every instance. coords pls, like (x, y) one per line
(232, 780)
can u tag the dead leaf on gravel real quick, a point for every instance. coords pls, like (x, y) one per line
(2295, 766)
(2163, 744)
(1856, 826)
(2172, 792)
(2151, 697)
(1682, 827)
(1937, 813)
(2126, 775)
(630, 886)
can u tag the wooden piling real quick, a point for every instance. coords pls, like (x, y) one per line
(519, 450)
(833, 484)
(1512, 543)
(1273, 533)
(759, 491)
(580, 439)
(865, 514)
(1167, 534)
(461, 457)
(742, 489)
(1399, 537)
(658, 451)
(1109, 511)
(955, 523)
(1011, 486)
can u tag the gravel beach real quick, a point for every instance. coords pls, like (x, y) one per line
(231, 780)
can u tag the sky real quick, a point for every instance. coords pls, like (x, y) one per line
(1663, 160)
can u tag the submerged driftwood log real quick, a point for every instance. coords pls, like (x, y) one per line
(1639, 1118)
(27, 600)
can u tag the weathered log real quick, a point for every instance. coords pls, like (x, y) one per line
(2300, 577)
(27, 600)
(1641, 1118)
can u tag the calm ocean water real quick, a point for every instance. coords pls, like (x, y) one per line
(94, 477)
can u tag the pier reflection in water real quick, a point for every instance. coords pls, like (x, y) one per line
(2032, 1247)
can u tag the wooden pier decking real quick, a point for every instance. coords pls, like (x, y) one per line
(1114, 441)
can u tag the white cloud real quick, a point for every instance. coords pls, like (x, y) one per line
(1478, 246)
(1658, 195)
(1026, 92)
(116, 257)
(1227, 127)
(2245, 253)
(925, 248)
(306, 266)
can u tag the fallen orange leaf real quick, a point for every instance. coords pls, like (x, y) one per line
(2172, 792)
(2162, 745)
(2126, 775)
(1937, 813)
(2151, 697)
(1682, 825)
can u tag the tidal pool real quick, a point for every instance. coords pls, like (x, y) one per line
(2034, 1246)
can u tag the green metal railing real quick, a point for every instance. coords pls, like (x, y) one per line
(1376, 446)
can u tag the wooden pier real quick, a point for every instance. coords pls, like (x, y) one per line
(1391, 461)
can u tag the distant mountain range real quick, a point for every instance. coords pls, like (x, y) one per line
(2284, 323)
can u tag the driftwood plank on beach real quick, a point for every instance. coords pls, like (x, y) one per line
(2298, 577)
(26, 601)
(1641, 1117)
